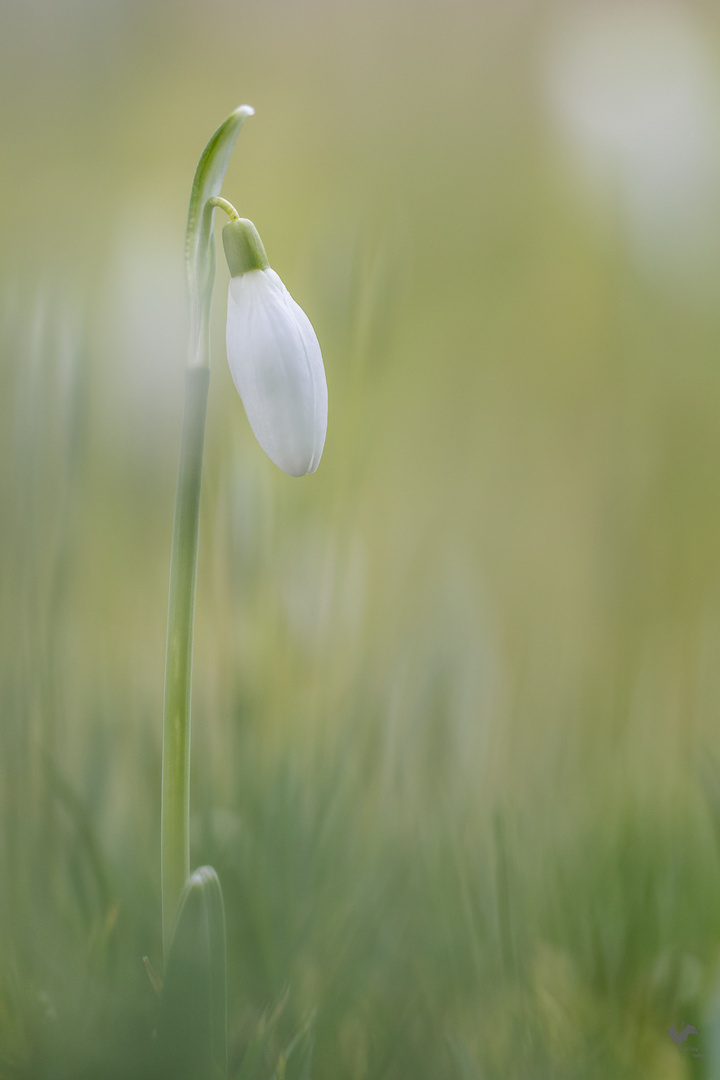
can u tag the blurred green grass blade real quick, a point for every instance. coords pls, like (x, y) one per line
(253, 1063)
(199, 240)
(466, 1069)
(193, 1020)
(296, 1062)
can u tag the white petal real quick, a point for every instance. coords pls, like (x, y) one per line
(277, 367)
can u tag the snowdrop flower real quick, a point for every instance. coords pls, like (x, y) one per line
(274, 357)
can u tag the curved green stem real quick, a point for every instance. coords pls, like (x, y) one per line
(175, 845)
(223, 204)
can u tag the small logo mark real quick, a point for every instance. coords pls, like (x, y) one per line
(686, 1030)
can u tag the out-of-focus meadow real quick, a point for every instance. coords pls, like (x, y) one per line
(456, 729)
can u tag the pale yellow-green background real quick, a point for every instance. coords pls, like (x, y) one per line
(457, 695)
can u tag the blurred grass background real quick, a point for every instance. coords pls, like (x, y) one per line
(456, 737)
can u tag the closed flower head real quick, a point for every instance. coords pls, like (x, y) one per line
(274, 357)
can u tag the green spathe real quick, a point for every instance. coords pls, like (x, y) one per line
(199, 240)
(244, 249)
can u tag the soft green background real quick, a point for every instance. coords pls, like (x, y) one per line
(457, 696)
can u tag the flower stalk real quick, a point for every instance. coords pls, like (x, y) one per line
(175, 843)
(200, 267)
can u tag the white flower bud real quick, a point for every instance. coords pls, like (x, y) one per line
(275, 362)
